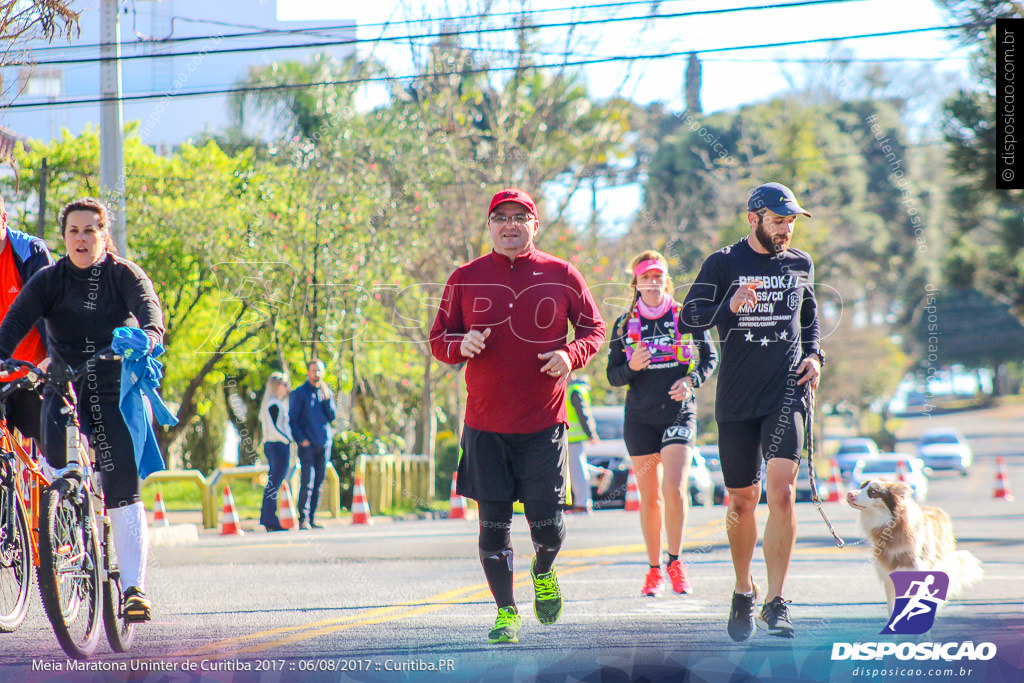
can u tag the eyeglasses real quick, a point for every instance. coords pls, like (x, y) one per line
(518, 219)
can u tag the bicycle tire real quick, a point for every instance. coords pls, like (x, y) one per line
(15, 560)
(120, 633)
(69, 572)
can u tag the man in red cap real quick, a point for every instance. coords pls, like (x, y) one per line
(507, 316)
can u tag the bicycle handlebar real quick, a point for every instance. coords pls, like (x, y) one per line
(57, 374)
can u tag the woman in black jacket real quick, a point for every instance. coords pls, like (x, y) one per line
(662, 363)
(82, 298)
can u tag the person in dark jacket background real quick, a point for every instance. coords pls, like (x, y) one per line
(310, 414)
(662, 361)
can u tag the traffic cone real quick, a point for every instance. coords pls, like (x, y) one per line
(632, 493)
(286, 507)
(456, 503)
(1002, 483)
(725, 497)
(229, 522)
(901, 471)
(160, 511)
(360, 510)
(836, 484)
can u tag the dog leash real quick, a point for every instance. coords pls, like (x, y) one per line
(815, 498)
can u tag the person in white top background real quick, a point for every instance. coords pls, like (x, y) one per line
(277, 438)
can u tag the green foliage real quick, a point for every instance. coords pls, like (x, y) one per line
(203, 442)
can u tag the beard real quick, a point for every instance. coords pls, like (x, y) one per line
(773, 245)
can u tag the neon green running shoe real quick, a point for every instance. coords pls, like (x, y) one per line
(547, 601)
(506, 626)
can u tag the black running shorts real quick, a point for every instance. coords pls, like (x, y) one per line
(509, 467)
(645, 439)
(742, 445)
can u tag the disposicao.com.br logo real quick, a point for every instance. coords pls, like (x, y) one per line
(919, 595)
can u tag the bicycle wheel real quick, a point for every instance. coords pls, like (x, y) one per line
(120, 633)
(15, 559)
(69, 572)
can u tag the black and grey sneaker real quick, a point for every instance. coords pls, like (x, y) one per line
(774, 618)
(741, 615)
(136, 607)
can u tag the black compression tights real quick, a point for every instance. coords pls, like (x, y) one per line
(546, 530)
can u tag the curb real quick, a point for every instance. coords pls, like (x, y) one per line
(176, 534)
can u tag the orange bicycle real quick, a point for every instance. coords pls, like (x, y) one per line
(22, 482)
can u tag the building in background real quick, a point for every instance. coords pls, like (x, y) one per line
(37, 91)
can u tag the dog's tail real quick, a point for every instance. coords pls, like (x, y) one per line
(963, 569)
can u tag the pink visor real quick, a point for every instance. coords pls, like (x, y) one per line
(649, 264)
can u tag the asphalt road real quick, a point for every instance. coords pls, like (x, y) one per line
(407, 600)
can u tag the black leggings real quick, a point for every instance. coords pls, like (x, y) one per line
(545, 520)
(101, 420)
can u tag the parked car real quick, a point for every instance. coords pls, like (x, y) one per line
(884, 466)
(852, 450)
(945, 449)
(610, 463)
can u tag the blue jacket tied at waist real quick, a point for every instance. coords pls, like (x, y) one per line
(140, 377)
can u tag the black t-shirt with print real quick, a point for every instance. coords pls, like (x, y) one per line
(761, 348)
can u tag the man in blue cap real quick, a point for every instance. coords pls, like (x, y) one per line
(759, 293)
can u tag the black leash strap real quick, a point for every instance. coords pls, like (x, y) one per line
(815, 498)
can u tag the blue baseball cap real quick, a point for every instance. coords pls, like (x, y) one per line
(775, 197)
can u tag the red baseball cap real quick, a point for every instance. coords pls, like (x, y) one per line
(511, 194)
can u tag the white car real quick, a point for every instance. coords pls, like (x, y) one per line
(885, 466)
(945, 449)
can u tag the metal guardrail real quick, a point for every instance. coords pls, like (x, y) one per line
(194, 476)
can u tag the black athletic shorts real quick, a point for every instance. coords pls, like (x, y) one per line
(509, 467)
(645, 439)
(744, 444)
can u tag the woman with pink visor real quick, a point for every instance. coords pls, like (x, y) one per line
(662, 362)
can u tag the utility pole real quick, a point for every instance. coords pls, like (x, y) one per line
(112, 179)
(41, 214)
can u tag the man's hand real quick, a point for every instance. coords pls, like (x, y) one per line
(473, 343)
(809, 370)
(745, 296)
(641, 358)
(681, 390)
(558, 365)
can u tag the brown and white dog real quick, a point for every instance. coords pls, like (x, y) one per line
(908, 536)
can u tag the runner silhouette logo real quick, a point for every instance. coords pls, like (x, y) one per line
(919, 595)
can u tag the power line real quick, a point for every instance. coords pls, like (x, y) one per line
(439, 35)
(264, 31)
(468, 71)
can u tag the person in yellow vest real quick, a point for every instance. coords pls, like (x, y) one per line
(662, 361)
(581, 429)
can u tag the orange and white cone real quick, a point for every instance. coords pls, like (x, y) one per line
(632, 493)
(836, 484)
(901, 471)
(1002, 484)
(725, 497)
(456, 503)
(360, 509)
(160, 511)
(230, 525)
(286, 514)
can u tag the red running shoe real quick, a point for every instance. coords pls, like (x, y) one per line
(654, 583)
(677, 575)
